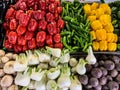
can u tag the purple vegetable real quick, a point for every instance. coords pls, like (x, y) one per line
(114, 73)
(88, 67)
(83, 79)
(103, 80)
(109, 78)
(99, 87)
(104, 71)
(116, 59)
(112, 85)
(96, 72)
(94, 82)
(109, 65)
(117, 65)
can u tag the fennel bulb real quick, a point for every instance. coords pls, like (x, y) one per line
(65, 58)
(32, 58)
(90, 57)
(23, 79)
(37, 74)
(64, 79)
(73, 62)
(53, 73)
(21, 63)
(75, 84)
(51, 85)
(80, 68)
(31, 85)
(41, 85)
(54, 61)
(56, 52)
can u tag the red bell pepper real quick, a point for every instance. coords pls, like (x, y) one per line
(17, 48)
(12, 37)
(25, 47)
(21, 40)
(40, 44)
(60, 23)
(52, 1)
(58, 30)
(49, 40)
(52, 7)
(59, 45)
(41, 36)
(7, 44)
(32, 44)
(30, 13)
(42, 24)
(29, 35)
(56, 38)
(49, 17)
(21, 30)
(32, 26)
(9, 13)
(38, 15)
(13, 24)
(6, 25)
(59, 9)
(52, 28)
(18, 14)
(56, 15)
(42, 4)
(24, 19)
(23, 6)
(30, 3)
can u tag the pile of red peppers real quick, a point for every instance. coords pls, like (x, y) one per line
(32, 24)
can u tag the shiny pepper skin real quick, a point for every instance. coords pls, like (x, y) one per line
(112, 46)
(12, 37)
(60, 23)
(103, 45)
(95, 45)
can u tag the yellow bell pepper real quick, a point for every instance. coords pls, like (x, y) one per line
(93, 12)
(112, 46)
(109, 28)
(103, 45)
(110, 37)
(106, 8)
(87, 9)
(99, 12)
(93, 35)
(95, 25)
(94, 6)
(95, 45)
(92, 18)
(115, 38)
(105, 19)
(101, 34)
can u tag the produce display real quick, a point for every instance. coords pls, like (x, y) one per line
(33, 24)
(101, 27)
(103, 75)
(75, 35)
(60, 45)
(43, 70)
(116, 19)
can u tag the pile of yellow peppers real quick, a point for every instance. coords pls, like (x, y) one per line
(101, 27)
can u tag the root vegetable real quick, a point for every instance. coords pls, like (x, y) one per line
(109, 78)
(116, 59)
(15, 56)
(6, 81)
(88, 67)
(114, 73)
(109, 65)
(99, 87)
(94, 82)
(1, 65)
(2, 53)
(104, 71)
(103, 81)
(96, 72)
(9, 55)
(118, 78)
(113, 85)
(2, 73)
(101, 62)
(8, 67)
(13, 87)
(117, 65)
(83, 79)
(4, 59)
